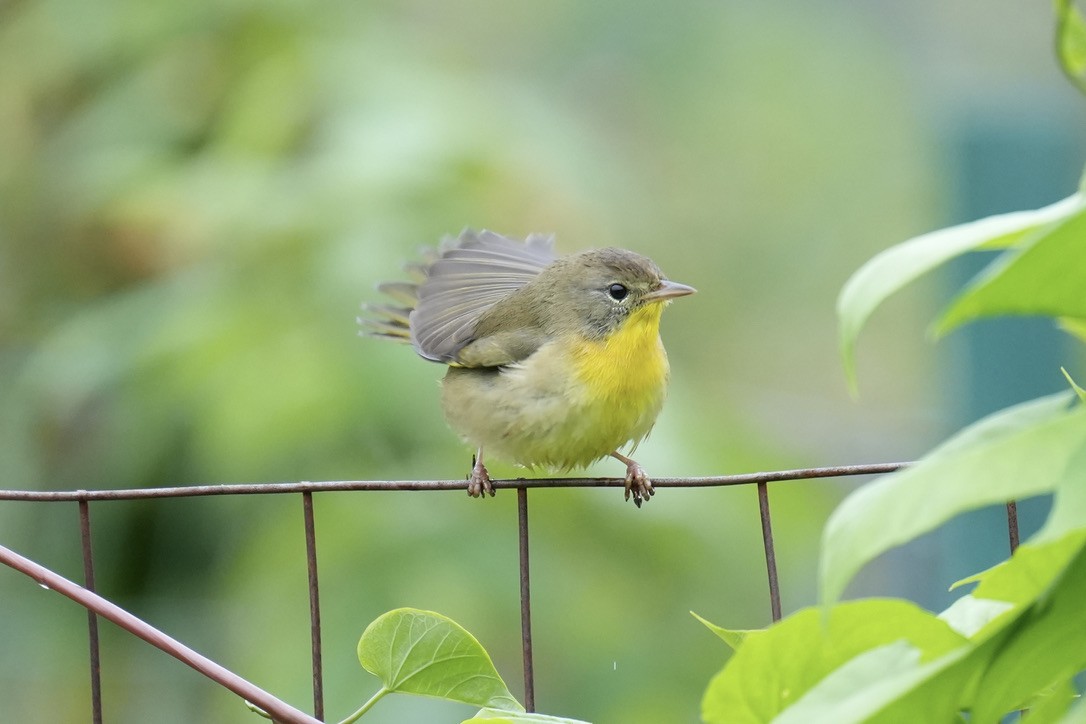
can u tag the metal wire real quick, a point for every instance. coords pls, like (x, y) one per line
(770, 555)
(1012, 525)
(92, 618)
(279, 710)
(314, 604)
(525, 601)
(189, 491)
(306, 489)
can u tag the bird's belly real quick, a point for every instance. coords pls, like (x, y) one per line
(570, 403)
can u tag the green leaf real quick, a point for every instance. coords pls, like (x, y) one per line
(497, 716)
(1071, 42)
(1048, 645)
(973, 578)
(970, 614)
(892, 269)
(1034, 565)
(860, 689)
(1015, 453)
(1077, 713)
(1078, 390)
(1043, 632)
(1052, 704)
(425, 653)
(1031, 570)
(774, 668)
(842, 696)
(1026, 637)
(1046, 275)
(1067, 517)
(1025, 581)
(1069, 505)
(1074, 327)
(732, 637)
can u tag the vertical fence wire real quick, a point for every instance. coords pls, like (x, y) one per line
(525, 601)
(1012, 525)
(92, 618)
(770, 555)
(314, 604)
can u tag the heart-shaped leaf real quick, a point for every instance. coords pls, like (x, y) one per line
(731, 636)
(425, 653)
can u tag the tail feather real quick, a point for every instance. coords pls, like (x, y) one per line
(385, 321)
(383, 330)
(406, 293)
(393, 321)
(389, 313)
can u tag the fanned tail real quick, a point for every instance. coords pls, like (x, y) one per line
(450, 287)
(393, 321)
(385, 321)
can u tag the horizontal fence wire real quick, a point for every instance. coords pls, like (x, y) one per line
(283, 712)
(192, 491)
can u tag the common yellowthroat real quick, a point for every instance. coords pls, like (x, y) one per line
(553, 362)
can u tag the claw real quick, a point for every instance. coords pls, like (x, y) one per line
(638, 483)
(479, 484)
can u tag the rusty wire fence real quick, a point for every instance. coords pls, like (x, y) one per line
(280, 711)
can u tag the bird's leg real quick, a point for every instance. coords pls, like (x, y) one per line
(637, 482)
(479, 480)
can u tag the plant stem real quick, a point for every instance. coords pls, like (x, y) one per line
(365, 707)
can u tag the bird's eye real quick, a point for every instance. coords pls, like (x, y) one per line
(617, 292)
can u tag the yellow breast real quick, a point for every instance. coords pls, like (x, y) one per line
(625, 375)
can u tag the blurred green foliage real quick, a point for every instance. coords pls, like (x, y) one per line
(194, 199)
(1013, 645)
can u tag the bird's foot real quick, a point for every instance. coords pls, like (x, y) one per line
(638, 483)
(479, 484)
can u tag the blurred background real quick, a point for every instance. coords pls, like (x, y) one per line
(195, 198)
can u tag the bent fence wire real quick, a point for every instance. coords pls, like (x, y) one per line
(280, 711)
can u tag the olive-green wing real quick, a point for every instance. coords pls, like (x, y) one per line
(468, 278)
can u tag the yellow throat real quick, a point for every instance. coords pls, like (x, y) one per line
(627, 369)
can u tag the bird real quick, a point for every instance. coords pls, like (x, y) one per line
(553, 362)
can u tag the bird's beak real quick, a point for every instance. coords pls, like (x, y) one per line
(668, 290)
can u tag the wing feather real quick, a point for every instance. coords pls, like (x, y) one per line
(470, 276)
